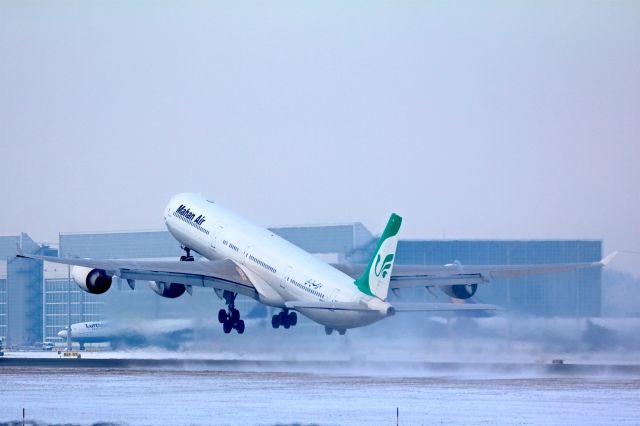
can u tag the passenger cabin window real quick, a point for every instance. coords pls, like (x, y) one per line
(263, 264)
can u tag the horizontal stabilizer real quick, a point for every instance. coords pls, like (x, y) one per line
(436, 307)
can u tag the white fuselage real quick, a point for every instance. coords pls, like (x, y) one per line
(88, 332)
(134, 333)
(280, 271)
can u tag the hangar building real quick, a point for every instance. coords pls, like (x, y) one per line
(34, 297)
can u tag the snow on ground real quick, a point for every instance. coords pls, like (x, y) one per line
(161, 397)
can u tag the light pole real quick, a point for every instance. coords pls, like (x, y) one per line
(68, 308)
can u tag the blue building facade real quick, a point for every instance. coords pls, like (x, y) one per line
(21, 292)
(3, 308)
(83, 306)
(569, 294)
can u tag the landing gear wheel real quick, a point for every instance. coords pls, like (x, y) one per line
(187, 257)
(284, 319)
(293, 319)
(342, 332)
(328, 331)
(234, 315)
(230, 318)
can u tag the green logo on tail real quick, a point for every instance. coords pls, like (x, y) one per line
(374, 280)
(386, 265)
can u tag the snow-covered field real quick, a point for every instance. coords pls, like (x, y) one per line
(171, 397)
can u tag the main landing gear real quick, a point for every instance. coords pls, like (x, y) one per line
(188, 257)
(329, 330)
(284, 318)
(230, 318)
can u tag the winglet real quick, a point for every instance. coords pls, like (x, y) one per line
(19, 250)
(605, 261)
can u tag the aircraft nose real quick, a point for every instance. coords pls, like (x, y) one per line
(62, 334)
(173, 202)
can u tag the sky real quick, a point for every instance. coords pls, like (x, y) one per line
(472, 120)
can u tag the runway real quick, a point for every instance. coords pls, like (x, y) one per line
(266, 392)
(348, 367)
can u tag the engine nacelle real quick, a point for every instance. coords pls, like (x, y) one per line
(170, 291)
(94, 281)
(460, 291)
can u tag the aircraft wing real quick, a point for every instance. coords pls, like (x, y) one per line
(220, 274)
(404, 276)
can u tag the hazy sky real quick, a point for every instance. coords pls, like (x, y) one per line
(470, 119)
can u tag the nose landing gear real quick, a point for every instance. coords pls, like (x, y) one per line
(284, 318)
(230, 318)
(187, 257)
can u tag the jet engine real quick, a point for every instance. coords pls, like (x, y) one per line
(170, 291)
(94, 281)
(460, 291)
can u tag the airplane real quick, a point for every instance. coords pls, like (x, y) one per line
(163, 333)
(246, 259)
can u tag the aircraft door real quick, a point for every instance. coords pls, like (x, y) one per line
(286, 277)
(335, 295)
(216, 238)
(244, 259)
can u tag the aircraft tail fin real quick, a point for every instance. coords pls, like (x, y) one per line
(376, 277)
